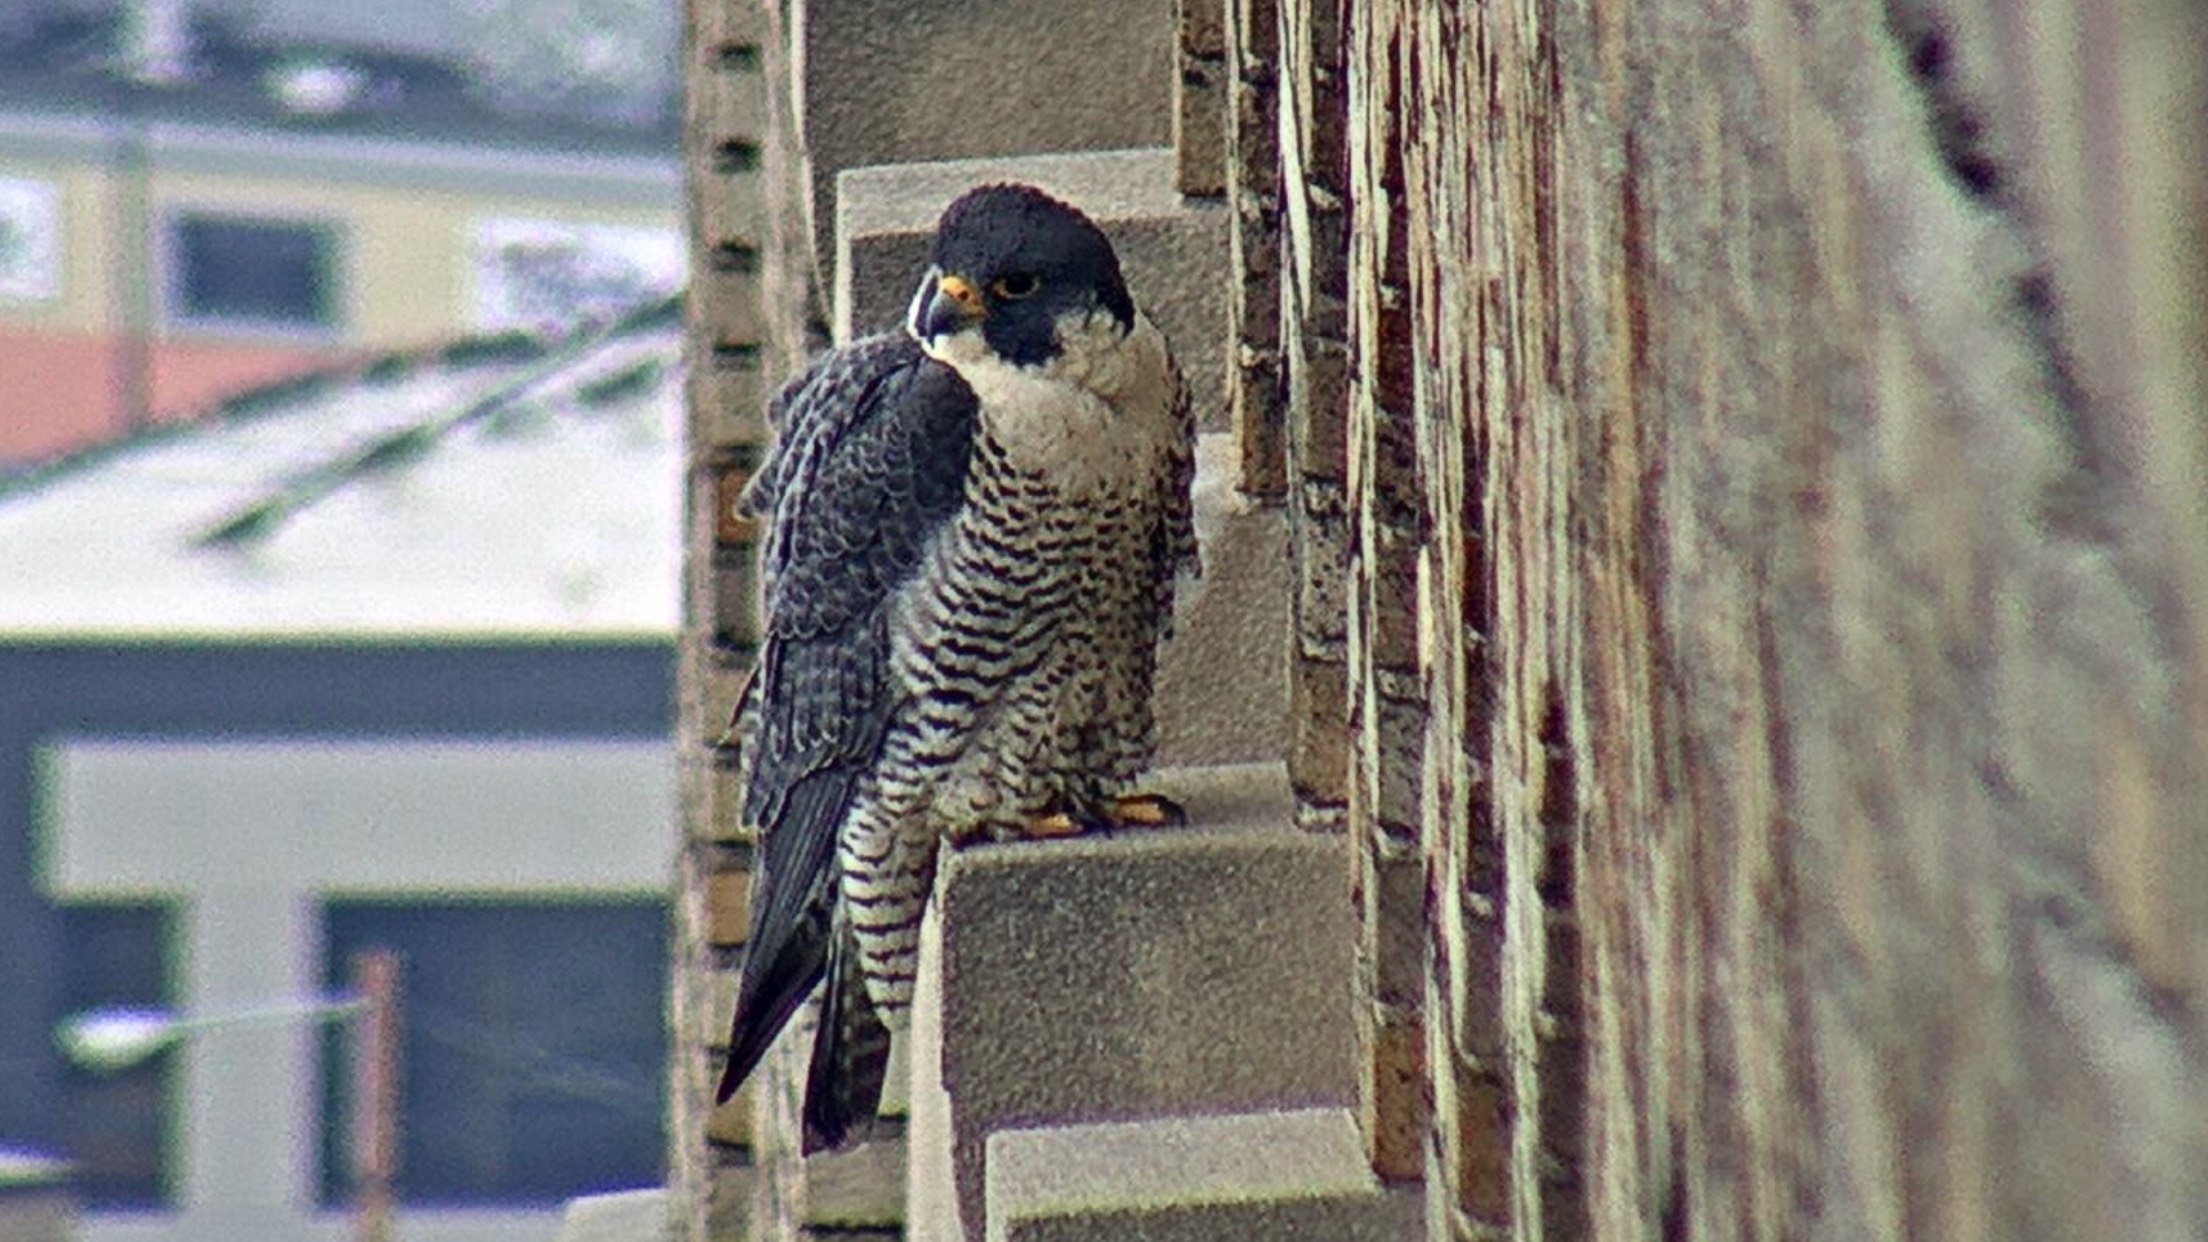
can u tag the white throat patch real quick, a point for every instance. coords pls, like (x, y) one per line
(1093, 418)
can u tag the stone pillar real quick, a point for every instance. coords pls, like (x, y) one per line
(1257, 401)
(1315, 357)
(1200, 98)
(1386, 713)
(739, 335)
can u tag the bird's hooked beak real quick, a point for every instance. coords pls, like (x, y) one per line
(944, 305)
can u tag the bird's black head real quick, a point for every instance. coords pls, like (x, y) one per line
(1013, 261)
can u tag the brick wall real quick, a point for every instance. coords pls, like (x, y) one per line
(1252, 173)
(1738, 480)
(1313, 268)
(755, 318)
(742, 331)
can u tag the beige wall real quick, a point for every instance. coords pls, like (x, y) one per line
(406, 260)
(87, 213)
(407, 253)
(406, 268)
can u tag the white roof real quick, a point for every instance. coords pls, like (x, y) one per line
(473, 499)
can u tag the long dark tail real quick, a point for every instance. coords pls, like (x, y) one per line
(771, 991)
(843, 1086)
(786, 953)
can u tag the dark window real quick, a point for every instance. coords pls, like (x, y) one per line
(244, 271)
(114, 1124)
(533, 1048)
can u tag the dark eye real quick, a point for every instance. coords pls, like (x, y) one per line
(1016, 285)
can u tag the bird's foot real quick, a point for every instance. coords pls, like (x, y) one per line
(1147, 811)
(1138, 811)
(1059, 824)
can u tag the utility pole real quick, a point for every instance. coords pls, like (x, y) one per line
(376, 1093)
(133, 259)
(158, 53)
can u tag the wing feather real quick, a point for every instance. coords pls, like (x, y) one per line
(870, 461)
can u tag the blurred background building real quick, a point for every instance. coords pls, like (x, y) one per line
(201, 195)
(339, 473)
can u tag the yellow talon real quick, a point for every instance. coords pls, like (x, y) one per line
(1055, 824)
(1140, 811)
(1148, 811)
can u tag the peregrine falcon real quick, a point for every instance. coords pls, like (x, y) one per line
(974, 531)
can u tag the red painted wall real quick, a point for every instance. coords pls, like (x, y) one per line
(190, 377)
(64, 391)
(57, 392)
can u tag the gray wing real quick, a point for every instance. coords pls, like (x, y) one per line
(869, 462)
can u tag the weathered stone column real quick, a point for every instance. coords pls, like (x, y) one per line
(744, 327)
(1387, 698)
(1257, 399)
(1315, 356)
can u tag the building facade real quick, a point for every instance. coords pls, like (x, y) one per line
(317, 674)
(271, 204)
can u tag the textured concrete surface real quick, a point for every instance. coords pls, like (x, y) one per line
(1172, 250)
(625, 1216)
(883, 81)
(863, 1188)
(931, 1181)
(1140, 975)
(1222, 690)
(1287, 1174)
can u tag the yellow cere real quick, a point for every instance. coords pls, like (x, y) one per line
(958, 290)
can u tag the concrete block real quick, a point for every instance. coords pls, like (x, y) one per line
(1200, 96)
(1136, 976)
(731, 1189)
(1288, 1174)
(1222, 688)
(885, 81)
(931, 1181)
(1173, 250)
(727, 906)
(626, 1216)
(729, 1123)
(863, 1188)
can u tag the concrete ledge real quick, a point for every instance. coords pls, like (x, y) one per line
(884, 80)
(1222, 688)
(1138, 976)
(1298, 1174)
(626, 1216)
(1173, 250)
(863, 1188)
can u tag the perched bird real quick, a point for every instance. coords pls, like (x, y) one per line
(974, 531)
